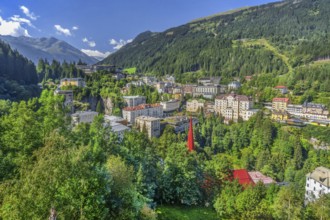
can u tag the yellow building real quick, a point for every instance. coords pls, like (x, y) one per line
(79, 82)
(280, 115)
(280, 104)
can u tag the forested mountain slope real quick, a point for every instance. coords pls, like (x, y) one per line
(217, 45)
(18, 77)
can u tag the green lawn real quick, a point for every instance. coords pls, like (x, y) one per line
(185, 213)
(130, 70)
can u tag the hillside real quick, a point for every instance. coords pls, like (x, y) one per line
(216, 45)
(47, 48)
(18, 77)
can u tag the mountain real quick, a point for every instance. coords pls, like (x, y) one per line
(18, 76)
(271, 38)
(47, 48)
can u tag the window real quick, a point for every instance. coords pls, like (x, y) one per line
(307, 185)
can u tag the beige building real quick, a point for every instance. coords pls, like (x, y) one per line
(232, 107)
(280, 104)
(314, 111)
(195, 105)
(153, 110)
(171, 105)
(151, 124)
(79, 82)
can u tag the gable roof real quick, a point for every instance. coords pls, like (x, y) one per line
(243, 177)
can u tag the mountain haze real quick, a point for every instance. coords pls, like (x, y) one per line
(270, 38)
(47, 48)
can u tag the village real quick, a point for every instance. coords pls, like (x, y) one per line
(207, 97)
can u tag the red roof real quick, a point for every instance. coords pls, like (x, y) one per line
(280, 87)
(280, 99)
(243, 177)
(140, 107)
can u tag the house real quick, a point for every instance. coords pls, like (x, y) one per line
(132, 101)
(282, 89)
(153, 110)
(234, 85)
(83, 117)
(151, 124)
(317, 184)
(207, 91)
(248, 78)
(259, 177)
(79, 82)
(195, 105)
(280, 104)
(243, 177)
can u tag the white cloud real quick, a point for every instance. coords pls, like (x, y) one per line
(96, 54)
(60, 30)
(74, 28)
(13, 27)
(28, 13)
(90, 43)
(17, 18)
(119, 44)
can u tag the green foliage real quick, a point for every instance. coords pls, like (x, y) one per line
(185, 213)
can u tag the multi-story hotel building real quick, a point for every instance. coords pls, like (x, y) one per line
(153, 110)
(151, 124)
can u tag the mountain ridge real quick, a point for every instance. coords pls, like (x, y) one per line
(47, 48)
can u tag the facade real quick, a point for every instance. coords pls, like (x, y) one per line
(314, 111)
(132, 101)
(296, 110)
(188, 89)
(280, 104)
(317, 184)
(195, 105)
(234, 85)
(83, 117)
(151, 124)
(153, 110)
(207, 91)
(79, 82)
(282, 89)
(117, 124)
(246, 115)
(232, 107)
(171, 105)
(280, 115)
(209, 81)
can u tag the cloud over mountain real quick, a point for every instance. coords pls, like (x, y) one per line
(90, 43)
(14, 26)
(60, 30)
(28, 13)
(119, 44)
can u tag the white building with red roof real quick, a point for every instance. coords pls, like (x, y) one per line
(153, 110)
(282, 89)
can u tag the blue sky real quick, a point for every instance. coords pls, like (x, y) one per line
(104, 25)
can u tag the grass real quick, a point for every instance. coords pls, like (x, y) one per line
(185, 213)
(130, 70)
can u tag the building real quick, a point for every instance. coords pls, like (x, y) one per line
(256, 177)
(243, 177)
(170, 106)
(68, 102)
(314, 111)
(132, 101)
(118, 125)
(153, 110)
(246, 115)
(209, 81)
(280, 115)
(296, 110)
(180, 123)
(79, 82)
(207, 91)
(195, 105)
(83, 117)
(151, 124)
(282, 89)
(189, 89)
(232, 107)
(108, 68)
(248, 78)
(280, 104)
(234, 85)
(317, 184)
